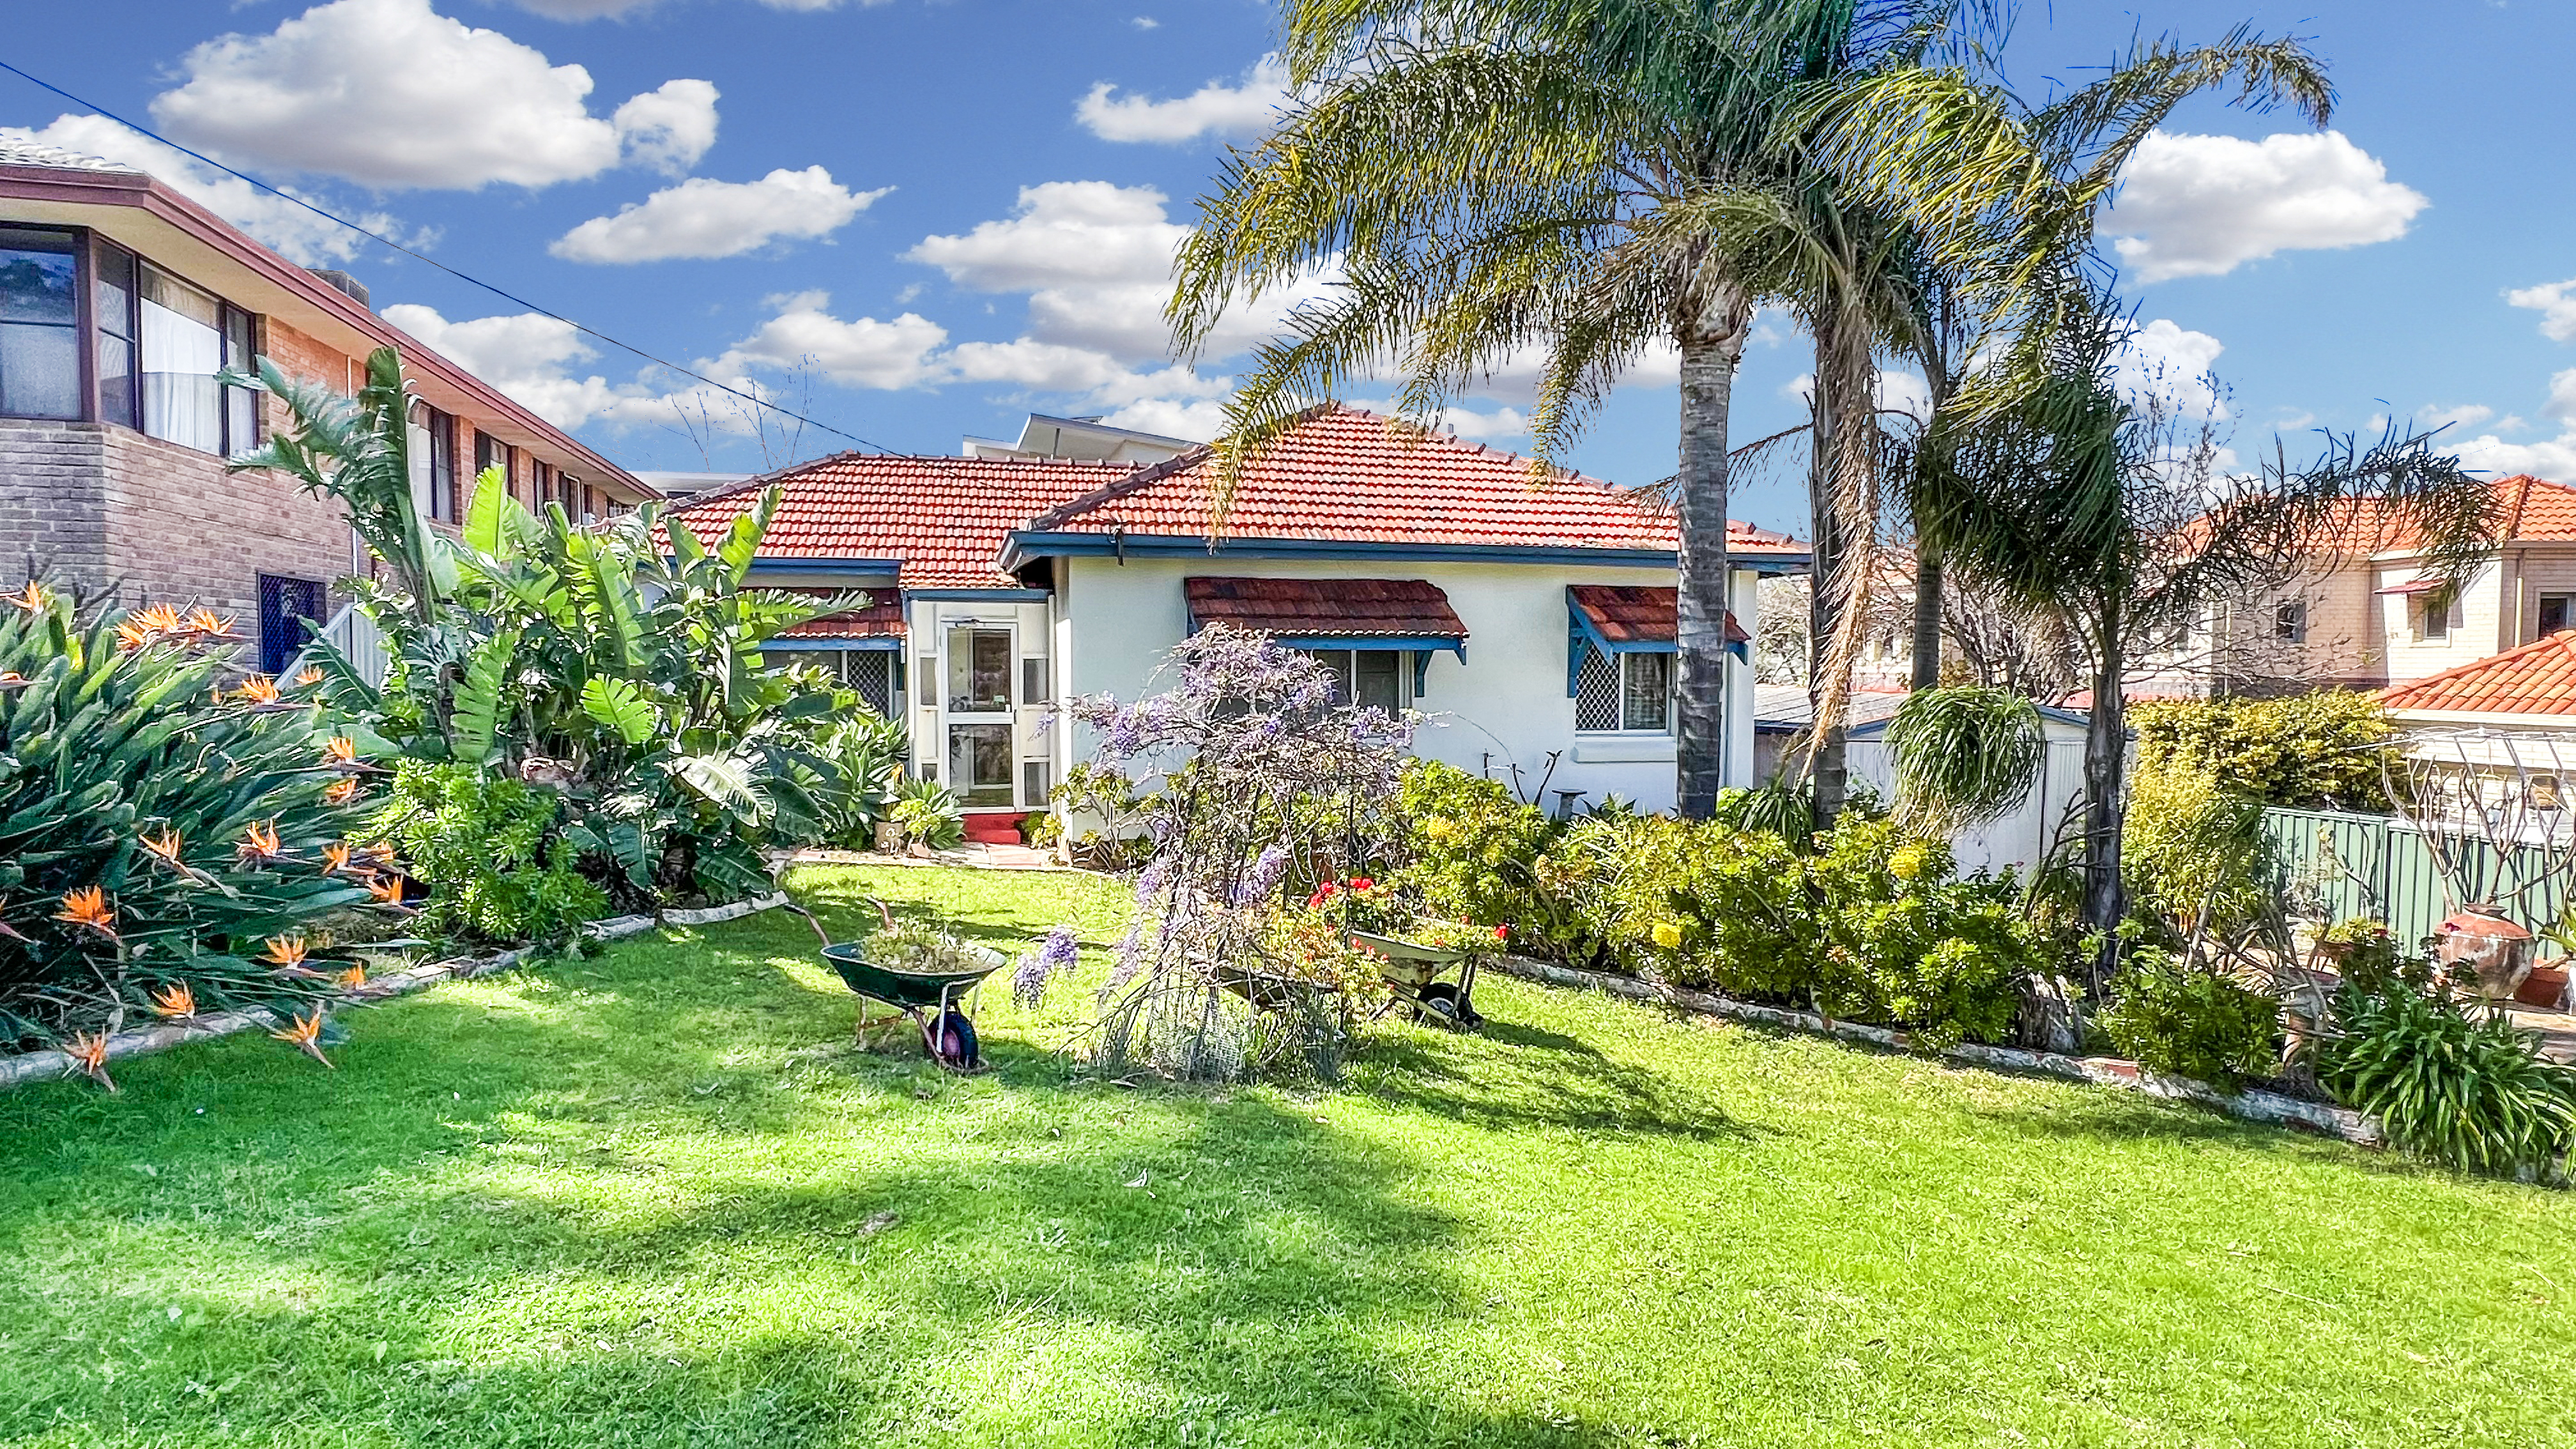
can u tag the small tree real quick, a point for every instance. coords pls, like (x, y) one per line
(1260, 773)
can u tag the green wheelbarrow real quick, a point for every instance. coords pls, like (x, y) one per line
(928, 999)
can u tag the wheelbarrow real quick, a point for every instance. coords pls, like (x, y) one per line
(1414, 974)
(928, 999)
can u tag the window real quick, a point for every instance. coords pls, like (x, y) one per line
(873, 673)
(433, 465)
(1624, 692)
(290, 612)
(1034, 786)
(2557, 613)
(112, 303)
(188, 336)
(1370, 678)
(979, 672)
(2290, 621)
(541, 485)
(1033, 681)
(2437, 614)
(979, 763)
(490, 453)
(39, 324)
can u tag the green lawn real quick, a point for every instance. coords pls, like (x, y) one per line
(657, 1198)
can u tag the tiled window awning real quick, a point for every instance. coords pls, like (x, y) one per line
(2412, 586)
(1332, 613)
(878, 626)
(1630, 619)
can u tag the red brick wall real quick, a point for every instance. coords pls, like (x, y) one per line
(181, 530)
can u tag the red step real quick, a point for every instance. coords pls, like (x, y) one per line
(994, 829)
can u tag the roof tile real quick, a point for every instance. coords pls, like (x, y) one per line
(2537, 678)
(1327, 608)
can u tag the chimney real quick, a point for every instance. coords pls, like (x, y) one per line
(345, 283)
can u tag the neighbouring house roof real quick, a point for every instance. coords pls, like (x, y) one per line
(1783, 708)
(2538, 678)
(881, 619)
(1638, 613)
(2528, 510)
(943, 519)
(1343, 475)
(1327, 608)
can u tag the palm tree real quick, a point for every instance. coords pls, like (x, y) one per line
(1589, 179)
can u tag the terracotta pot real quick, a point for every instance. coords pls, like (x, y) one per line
(2477, 943)
(2545, 987)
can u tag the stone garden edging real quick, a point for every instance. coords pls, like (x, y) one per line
(2252, 1106)
(52, 1063)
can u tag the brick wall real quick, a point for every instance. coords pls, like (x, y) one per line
(181, 530)
(52, 522)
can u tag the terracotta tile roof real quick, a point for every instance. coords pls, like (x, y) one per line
(881, 619)
(945, 519)
(2538, 678)
(1639, 613)
(1351, 476)
(2528, 510)
(1327, 608)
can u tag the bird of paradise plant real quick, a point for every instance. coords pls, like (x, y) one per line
(304, 1032)
(175, 1002)
(87, 907)
(88, 1051)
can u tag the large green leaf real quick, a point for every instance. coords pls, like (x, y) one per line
(480, 702)
(617, 704)
(725, 781)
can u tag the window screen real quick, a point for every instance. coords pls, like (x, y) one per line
(290, 610)
(1596, 692)
(1646, 703)
(112, 305)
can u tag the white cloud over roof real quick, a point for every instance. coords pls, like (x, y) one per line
(2201, 206)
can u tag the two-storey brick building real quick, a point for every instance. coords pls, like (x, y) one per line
(120, 302)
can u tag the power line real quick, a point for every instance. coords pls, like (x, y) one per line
(513, 298)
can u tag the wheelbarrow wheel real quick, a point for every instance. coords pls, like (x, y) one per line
(1440, 1002)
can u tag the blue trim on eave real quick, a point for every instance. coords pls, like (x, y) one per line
(883, 643)
(773, 564)
(1024, 546)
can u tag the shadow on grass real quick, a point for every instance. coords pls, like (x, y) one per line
(648, 1203)
(1510, 1075)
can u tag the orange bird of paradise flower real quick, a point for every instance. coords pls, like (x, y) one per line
(387, 890)
(335, 857)
(204, 621)
(258, 689)
(35, 600)
(165, 845)
(340, 792)
(175, 1002)
(285, 951)
(258, 844)
(353, 977)
(12, 679)
(309, 678)
(306, 1033)
(88, 906)
(88, 1051)
(340, 750)
(131, 636)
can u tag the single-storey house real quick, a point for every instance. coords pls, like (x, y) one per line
(1528, 612)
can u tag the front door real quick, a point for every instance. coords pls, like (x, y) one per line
(978, 709)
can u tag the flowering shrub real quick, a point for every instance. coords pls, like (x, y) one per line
(1363, 903)
(1258, 769)
(1472, 852)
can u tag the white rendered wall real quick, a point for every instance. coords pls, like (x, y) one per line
(1505, 707)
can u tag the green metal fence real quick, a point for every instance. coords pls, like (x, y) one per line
(2370, 865)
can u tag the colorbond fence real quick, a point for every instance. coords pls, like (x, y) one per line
(2370, 865)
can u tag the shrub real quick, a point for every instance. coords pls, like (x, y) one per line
(2307, 751)
(929, 813)
(155, 828)
(2191, 844)
(2463, 1091)
(2184, 1021)
(488, 848)
(1472, 852)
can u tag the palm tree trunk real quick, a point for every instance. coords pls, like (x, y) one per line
(1927, 616)
(2106, 745)
(1843, 496)
(1828, 770)
(1712, 343)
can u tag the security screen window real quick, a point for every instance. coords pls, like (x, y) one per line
(39, 325)
(979, 673)
(1371, 678)
(1623, 692)
(979, 763)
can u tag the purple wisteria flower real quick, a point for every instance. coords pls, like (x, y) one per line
(1038, 969)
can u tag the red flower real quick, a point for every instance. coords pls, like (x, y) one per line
(1363, 883)
(1323, 893)
(1502, 933)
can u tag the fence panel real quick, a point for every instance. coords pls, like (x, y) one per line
(2369, 865)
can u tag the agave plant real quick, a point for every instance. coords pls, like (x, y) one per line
(620, 662)
(156, 827)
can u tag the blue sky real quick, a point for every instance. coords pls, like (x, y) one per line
(959, 208)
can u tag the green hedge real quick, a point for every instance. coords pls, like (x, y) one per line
(2308, 751)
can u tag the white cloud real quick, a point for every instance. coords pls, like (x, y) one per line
(2200, 206)
(1096, 261)
(668, 128)
(1245, 108)
(1197, 421)
(2556, 307)
(391, 94)
(528, 357)
(1897, 391)
(703, 218)
(2171, 363)
(2467, 415)
(1146, 22)
(294, 233)
(864, 352)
